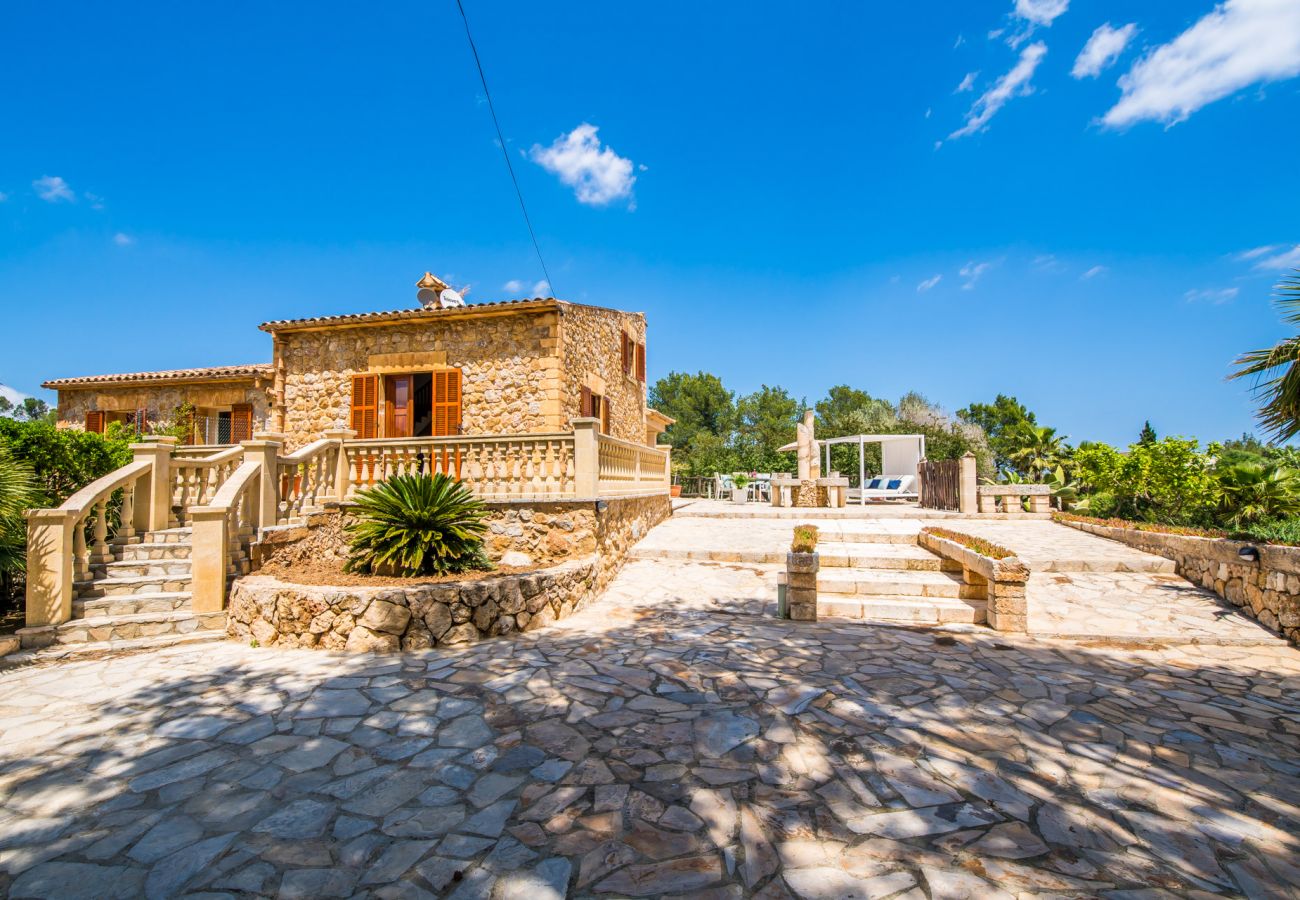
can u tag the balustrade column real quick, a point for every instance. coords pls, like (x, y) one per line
(586, 458)
(155, 506)
(265, 450)
(342, 473)
(967, 487)
(49, 566)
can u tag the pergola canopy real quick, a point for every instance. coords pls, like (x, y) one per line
(899, 453)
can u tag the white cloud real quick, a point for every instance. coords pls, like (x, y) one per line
(1047, 262)
(542, 288)
(1257, 252)
(967, 83)
(928, 283)
(1041, 12)
(598, 176)
(960, 40)
(122, 239)
(1237, 44)
(513, 286)
(1211, 295)
(1285, 259)
(53, 189)
(1102, 49)
(1093, 272)
(972, 272)
(1013, 84)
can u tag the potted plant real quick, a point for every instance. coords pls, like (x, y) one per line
(739, 485)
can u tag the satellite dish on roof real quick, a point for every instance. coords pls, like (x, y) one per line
(428, 298)
(451, 298)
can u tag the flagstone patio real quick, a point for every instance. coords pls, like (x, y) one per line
(670, 740)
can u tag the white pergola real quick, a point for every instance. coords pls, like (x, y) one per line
(899, 454)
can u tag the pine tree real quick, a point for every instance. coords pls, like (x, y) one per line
(1148, 435)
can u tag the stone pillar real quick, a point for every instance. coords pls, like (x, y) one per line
(988, 503)
(210, 550)
(586, 458)
(967, 488)
(265, 450)
(1040, 503)
(1008, 610)
(801, 585)
(49, 566)
(156, 498)
(342, 471)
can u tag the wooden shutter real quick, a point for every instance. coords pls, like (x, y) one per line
(446, 402)
(584, 404)
(365, 406)
(640, 363)
(95, 421)
(241, 422)
(627, 352)
(604, 415)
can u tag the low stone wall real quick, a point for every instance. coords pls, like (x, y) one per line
(1001, 581)
(1267, 590)
(414, 617)
(578, 546)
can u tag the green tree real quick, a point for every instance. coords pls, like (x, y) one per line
(18, 493)
(1148, 434)
(1168, 481)
(1040, 452)
(698, 402)
(1003, 422)
(63, 460)
(1276, 370)
(765, 420)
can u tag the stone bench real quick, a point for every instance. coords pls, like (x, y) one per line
(1013, 497)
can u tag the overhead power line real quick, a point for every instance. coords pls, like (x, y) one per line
(505, 154)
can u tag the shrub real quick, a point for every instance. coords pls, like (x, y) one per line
(17, 493)
(63, 460)
(971, 542)
(1167, 481)
(805, 539)
(414, 525)
(1255, 492)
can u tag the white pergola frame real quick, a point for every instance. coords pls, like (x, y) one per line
(862, 440)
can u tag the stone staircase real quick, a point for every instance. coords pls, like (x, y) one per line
(140, 597)
(886, 576)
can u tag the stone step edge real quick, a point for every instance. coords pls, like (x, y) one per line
(60, 651)
(174, 615)
(828, 560)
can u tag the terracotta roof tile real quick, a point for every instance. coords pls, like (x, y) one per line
(397, 315)
(212, 372)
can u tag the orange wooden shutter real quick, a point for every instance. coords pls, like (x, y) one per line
(584, 402)
(446, 402)
(604, 415)
(627, 353)
(241, 422)
(640, 363)
(365, 406)
(95, 421)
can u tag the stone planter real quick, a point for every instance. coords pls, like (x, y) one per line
(740, 495)
(801, 585)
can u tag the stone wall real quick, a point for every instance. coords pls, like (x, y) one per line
(1267, 590)
(164, 399)
(577, 546)
(386, 619)
(592, 354)
(509, 367)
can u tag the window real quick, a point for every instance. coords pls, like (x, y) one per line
(95, 421)
(594, 406)
(241, 423)
(419, 404)
(640, 363)
(365, 406)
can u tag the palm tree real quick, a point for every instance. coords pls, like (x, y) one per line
(17, 493)
(1276, 371)
(1040, 450)
(1256, 493)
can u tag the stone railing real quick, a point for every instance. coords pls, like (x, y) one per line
(1010, 499)
(306, 478)
(195, 480)
(1001, 579)
(527, 466)
(223, 534)
(627, 468)
(59, 553)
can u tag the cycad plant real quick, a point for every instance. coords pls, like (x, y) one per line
(414, 525)
(1276, 370)
(1255, 493)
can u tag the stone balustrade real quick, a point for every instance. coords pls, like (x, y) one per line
(1010, 499)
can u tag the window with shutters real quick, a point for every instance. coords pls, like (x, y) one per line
(628, 351)
(95, 422)
(640, 363)
(446, 402)
(594, 406)
(241, 422)
(365, 406)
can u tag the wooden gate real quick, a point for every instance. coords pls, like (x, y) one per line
(940, 483)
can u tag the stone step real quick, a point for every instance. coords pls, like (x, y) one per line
(154, 550)
(141, 568)
(137, 584)
(866, 536)
(891, 583)
(908, 557)
(107, 629)
(63, 651)
(130, 604)
(170, 536)
(913, 610)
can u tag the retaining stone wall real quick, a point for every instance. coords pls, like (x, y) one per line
(1268, 590)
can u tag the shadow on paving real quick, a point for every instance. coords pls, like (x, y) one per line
(672, 753)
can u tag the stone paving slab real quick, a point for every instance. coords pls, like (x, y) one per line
(670, 740)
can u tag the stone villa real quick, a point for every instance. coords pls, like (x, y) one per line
(509, 367)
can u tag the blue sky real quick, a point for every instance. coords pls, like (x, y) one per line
(953, 198)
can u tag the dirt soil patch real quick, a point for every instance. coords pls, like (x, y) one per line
(329, 572)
